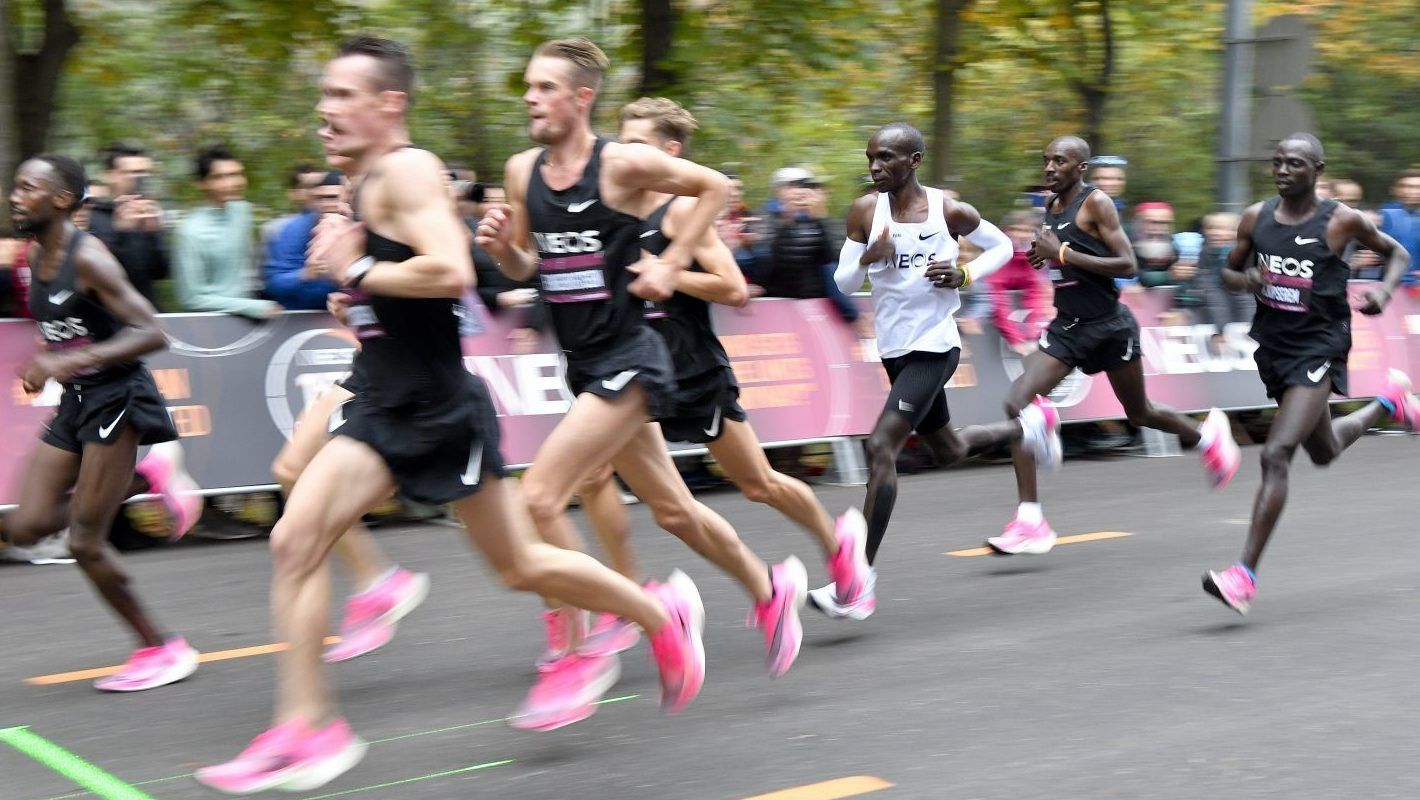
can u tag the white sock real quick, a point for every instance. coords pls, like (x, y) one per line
(1206, 436)
(1029, 513)
(1032, 423)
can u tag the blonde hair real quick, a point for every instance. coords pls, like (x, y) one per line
(672, 121)
(1222, 219)
(588, 61)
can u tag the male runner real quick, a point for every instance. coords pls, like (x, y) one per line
(904, 238)
(706, 407)
(1289, 256)
(574, 218)
(1086, 248)
(386, 593)
(96, 327)
(419, 422)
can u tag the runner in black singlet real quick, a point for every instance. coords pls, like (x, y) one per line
(419, 422)
(573, 219)
(96, 327)
(1288, 257)
(1085, 248)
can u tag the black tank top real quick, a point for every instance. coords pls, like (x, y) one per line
(1302, 306)
(584, 248)
(69, 319)
(410, 352)
(683, 321)
(1079, 293)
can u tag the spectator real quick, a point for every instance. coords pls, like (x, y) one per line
(214, 243)
(131, 223)
(800, 245)
(1153, 243)
(1325, 188)
(1347, 191)
(738, 228)
(14, 278)
(94, 192)
(1401, 219)
(1019, 276)
(1108, 173)
(1220, 307)
(290, 281)
(301, 180)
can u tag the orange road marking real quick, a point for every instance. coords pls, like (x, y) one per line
(218, 655)
(829, 790)
(1076, 539)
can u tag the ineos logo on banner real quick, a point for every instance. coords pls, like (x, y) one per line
(303, 367)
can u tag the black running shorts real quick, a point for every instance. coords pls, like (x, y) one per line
(1093, 346)
(919, 392)
(438, 453)
(702, 405)
(642, 359)
(1281, 371)
(98, 414)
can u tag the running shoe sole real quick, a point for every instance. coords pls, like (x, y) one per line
(591, 693)
(304, 779)
(696, 625)
(1210, 585)
(1037, 547)
(182, 670)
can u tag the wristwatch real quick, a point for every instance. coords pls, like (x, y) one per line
(356, 272)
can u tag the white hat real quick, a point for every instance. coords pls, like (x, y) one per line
(794, 175)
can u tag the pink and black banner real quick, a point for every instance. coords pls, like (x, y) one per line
(235, 387)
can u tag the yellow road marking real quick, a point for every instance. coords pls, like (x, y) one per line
(828, 790)
(218, 655)
(1076, 539)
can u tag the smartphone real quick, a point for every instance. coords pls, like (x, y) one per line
(141, 185)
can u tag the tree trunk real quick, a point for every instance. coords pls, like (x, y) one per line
(1096, 93)
(658, 20)
(9, 142)
(944, 75)
(37, 79)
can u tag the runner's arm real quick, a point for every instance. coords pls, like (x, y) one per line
(1358, 226)
(853, 260)
(722, 281)
(1239, 274)
(644, 167)
(996, 251)
(1111, 232)
(421, 216)
(100, 273)
(503, 232)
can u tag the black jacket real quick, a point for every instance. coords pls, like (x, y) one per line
(143, 254)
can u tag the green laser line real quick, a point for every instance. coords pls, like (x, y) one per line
(70, 766)
(465, 726)
(446, 774)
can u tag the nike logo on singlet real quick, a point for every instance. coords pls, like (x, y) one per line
(577, 208)
(58, 298)
(925, 236)
(647, 234)
(1300, 240)
(1062, 226)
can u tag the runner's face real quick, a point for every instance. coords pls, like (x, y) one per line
(643, 131)
(34, 200)
(1063, 168)
(553, 100)
(891, 162)
(1293, 170)
(355, 112)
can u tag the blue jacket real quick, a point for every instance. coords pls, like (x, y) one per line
(1403, 225)
(285, 258)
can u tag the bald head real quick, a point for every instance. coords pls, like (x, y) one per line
(1077, 148)
(1305, 143)
(895, 132)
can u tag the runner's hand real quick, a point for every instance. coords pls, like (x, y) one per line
(495, 231)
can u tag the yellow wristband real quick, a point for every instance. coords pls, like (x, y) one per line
(966, 277)
(1060, 257)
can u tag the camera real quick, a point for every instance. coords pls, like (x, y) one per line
(141, 185)
(468, 191)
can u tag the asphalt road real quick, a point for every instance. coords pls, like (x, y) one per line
(1100, 670)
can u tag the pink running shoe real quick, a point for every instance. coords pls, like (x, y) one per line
(677, 648)
(1398, 393)
(779, 616)
(566, 691)
(1024, 537)
(163, 469)
(151, 667)
(1040, 430)
(825, 599)
(610, 635)
(849, 566)
(372, 615)
(1233, 586)
(555, 624)
(1222, 457)
(289, 756)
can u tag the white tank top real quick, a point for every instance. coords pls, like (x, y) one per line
(910, 312)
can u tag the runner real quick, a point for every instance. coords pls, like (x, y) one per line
(1288, 255)
(903, 237)
(575, 213)
(706, 407)
(422, 423)
(385, 593)
(96, 327)
(1085, 248)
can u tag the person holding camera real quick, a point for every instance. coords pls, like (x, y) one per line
(290, 279)
(130, 224)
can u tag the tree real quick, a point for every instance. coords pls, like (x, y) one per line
(9, 141)
(946, 60)
(36, 75)
(658, 22)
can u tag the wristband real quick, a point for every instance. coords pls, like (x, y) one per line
(357, 271)
(966, 277)
(1060, 257)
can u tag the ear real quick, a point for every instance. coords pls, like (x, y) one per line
(916, 160)
(394, 102)
(586, 96)
(674, 148)
(1320, 167)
